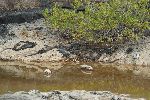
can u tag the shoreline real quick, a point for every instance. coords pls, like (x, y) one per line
(32, 41)
(67, 95)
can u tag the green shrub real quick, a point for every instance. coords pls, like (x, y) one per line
(113, 21)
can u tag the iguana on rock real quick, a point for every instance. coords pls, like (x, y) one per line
(21, 46)
(43, 50)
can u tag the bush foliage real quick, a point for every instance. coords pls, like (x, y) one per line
(112, 21)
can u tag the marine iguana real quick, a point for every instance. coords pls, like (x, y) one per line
(21, 46)
(43, 50)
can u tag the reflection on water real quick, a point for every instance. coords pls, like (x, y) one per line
(16, 76)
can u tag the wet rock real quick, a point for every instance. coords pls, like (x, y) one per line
(24, 45)
(47, 71)
(86, 67)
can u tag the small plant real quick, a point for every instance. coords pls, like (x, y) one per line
(112, 21)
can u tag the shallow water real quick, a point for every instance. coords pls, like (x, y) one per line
(17, 76)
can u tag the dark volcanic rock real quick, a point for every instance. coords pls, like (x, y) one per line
(3, 29)
(4, 34)
(21, 16)
(90, 52)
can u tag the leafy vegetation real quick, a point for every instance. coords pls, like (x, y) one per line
(112, 21)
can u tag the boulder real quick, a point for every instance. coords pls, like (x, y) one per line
(86, 67)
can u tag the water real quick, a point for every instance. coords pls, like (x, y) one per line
(18, 76)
